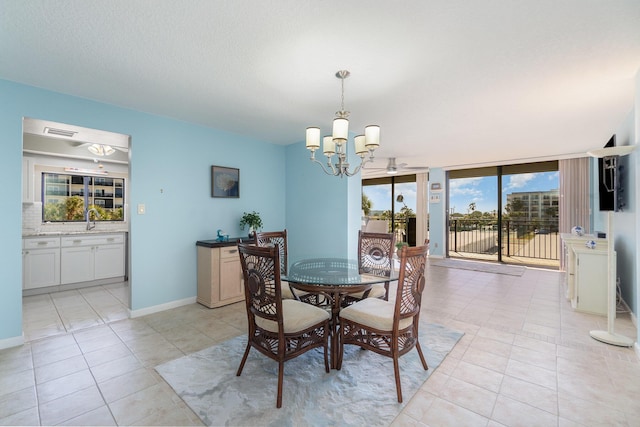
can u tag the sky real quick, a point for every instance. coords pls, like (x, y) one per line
(464, 191)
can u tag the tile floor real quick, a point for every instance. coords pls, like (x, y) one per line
(526, 358)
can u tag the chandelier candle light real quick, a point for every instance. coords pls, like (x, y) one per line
(336, 143)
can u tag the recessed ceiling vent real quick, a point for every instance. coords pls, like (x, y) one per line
(59, 132)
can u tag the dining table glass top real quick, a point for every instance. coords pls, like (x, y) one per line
(334, 272)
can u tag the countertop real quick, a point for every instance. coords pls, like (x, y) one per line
(68, 233)
(233, 241)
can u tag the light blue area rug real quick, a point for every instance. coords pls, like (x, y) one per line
(362, 393)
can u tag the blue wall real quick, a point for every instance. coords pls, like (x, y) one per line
(323, 211)
(169, 173)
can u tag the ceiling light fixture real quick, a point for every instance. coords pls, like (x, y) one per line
(336, 143)
(101, 150)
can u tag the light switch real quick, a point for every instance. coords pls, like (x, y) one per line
(141, 209)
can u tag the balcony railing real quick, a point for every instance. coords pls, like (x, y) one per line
(531, 240)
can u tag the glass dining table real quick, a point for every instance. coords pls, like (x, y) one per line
(324, 281)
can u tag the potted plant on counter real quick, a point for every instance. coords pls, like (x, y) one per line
(252, 220)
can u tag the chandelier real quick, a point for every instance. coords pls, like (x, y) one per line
(336, 143)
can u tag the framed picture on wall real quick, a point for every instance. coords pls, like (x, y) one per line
(225, 182)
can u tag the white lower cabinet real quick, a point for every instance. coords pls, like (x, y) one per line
(591, 280)
(91, 257)
(40, 262)
(52, 261)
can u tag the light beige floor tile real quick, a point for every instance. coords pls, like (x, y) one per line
(532, 394)
(590, 413)
(115, 368)
(533, 374)
(97, 417)
(28, 417)
(64, 386)
(17, 401)
(511, 412)
(11, 382)
(533, 357)
(60, 369)
(486, 360)
(55, 355)
(469, 396)
(16, 359)
(107, 354)
(492, 346)
(71, 406)
(419, 404)
(442, 413)
(50, 344)
(477, 375)
(172, 415)
(116, 388)
(136, 407)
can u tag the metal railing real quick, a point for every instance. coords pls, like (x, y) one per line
(535, 239)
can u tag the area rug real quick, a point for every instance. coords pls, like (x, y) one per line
(362, 393)
(486, 267)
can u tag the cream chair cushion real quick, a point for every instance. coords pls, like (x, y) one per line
(375, 313)
(377, 291)
(296, 316)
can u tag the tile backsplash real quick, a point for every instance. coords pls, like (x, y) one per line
(32, 223)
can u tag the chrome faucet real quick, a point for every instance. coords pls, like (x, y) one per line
(96, 215)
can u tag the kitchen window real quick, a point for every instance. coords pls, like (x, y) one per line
(67, 197)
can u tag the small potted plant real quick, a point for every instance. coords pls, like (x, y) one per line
(252, 220)
(399, 246)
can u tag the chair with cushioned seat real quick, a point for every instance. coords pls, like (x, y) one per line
(389, 328)
(279, 239)
(375, 257)
(281, 329)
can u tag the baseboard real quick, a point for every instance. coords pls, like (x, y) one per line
(12, 342)
(161, 307)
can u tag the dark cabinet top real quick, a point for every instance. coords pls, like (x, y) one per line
(233, 241)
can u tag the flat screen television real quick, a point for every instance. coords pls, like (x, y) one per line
(608, 183)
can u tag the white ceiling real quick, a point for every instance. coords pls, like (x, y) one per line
(449, 82)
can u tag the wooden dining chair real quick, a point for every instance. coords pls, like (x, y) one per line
(279, 239)
(279, 329)
(389, 328)
(375, 257)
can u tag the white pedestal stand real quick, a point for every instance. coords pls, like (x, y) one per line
(610, 336)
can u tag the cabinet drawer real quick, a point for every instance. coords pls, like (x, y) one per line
(86, 240)
(41, 242)
(229, 252)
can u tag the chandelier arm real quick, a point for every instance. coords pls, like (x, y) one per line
(363, 162)
(331, 171)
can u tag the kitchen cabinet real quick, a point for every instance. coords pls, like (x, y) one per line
(219, 276)
(40, 262)
(89, 257)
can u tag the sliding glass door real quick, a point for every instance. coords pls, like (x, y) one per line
(505, 213)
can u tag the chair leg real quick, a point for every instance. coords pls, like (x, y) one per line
(326, 350)
(244, 359)
(340, 348)
(396, 371)
(424, 363)
(280, 379)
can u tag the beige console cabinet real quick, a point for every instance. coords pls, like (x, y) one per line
(586, 273)
(219, 274)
